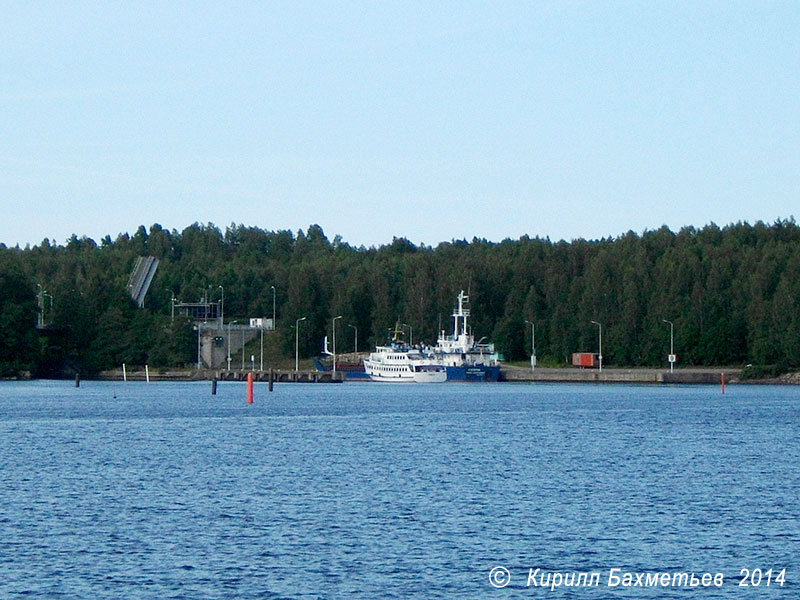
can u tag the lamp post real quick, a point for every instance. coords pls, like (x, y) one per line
(334, 341)
(671, 357)
(242, 349)
(222, 307)
(40, 298)
(410, 335)
(273, 307)
(533, 344)
(355, 338)
(172, 307)
(297, 342)
(600, 352)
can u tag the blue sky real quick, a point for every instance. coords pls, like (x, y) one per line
(432, 121)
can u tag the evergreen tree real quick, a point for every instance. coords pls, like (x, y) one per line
(731, 293)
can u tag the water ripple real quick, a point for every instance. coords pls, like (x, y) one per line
(365, 491)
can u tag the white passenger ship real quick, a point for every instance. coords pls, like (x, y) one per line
(400, 363)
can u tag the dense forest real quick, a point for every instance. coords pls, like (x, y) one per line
(732, 293)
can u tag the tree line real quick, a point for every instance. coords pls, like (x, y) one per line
(731, 293)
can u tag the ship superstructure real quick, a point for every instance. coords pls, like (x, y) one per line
(463, 357)
(398, 362)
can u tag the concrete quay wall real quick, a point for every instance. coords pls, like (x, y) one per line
(683, 376)
(283, 376)
(278, 375)
(507, 373)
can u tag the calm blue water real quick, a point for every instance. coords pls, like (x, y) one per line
(379, 491)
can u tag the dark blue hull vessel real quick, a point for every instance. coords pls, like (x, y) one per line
(473, 373)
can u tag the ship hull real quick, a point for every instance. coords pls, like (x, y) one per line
(473, 373)
(416, 374)
(381, 378)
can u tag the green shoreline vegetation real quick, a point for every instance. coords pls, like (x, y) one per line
(732, 293)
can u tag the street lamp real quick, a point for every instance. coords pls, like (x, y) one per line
(533, 344)
(40, 298)
(334, 341)
(355, 338)
(222, 307)
(273, 306)
(410, 335)
(297, 341)
(671, 357)
(600, 353)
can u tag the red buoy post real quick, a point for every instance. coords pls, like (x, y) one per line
(249, 388)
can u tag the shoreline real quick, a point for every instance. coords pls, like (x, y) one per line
(508, 374)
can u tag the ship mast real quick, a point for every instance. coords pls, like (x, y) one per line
(460, 316)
